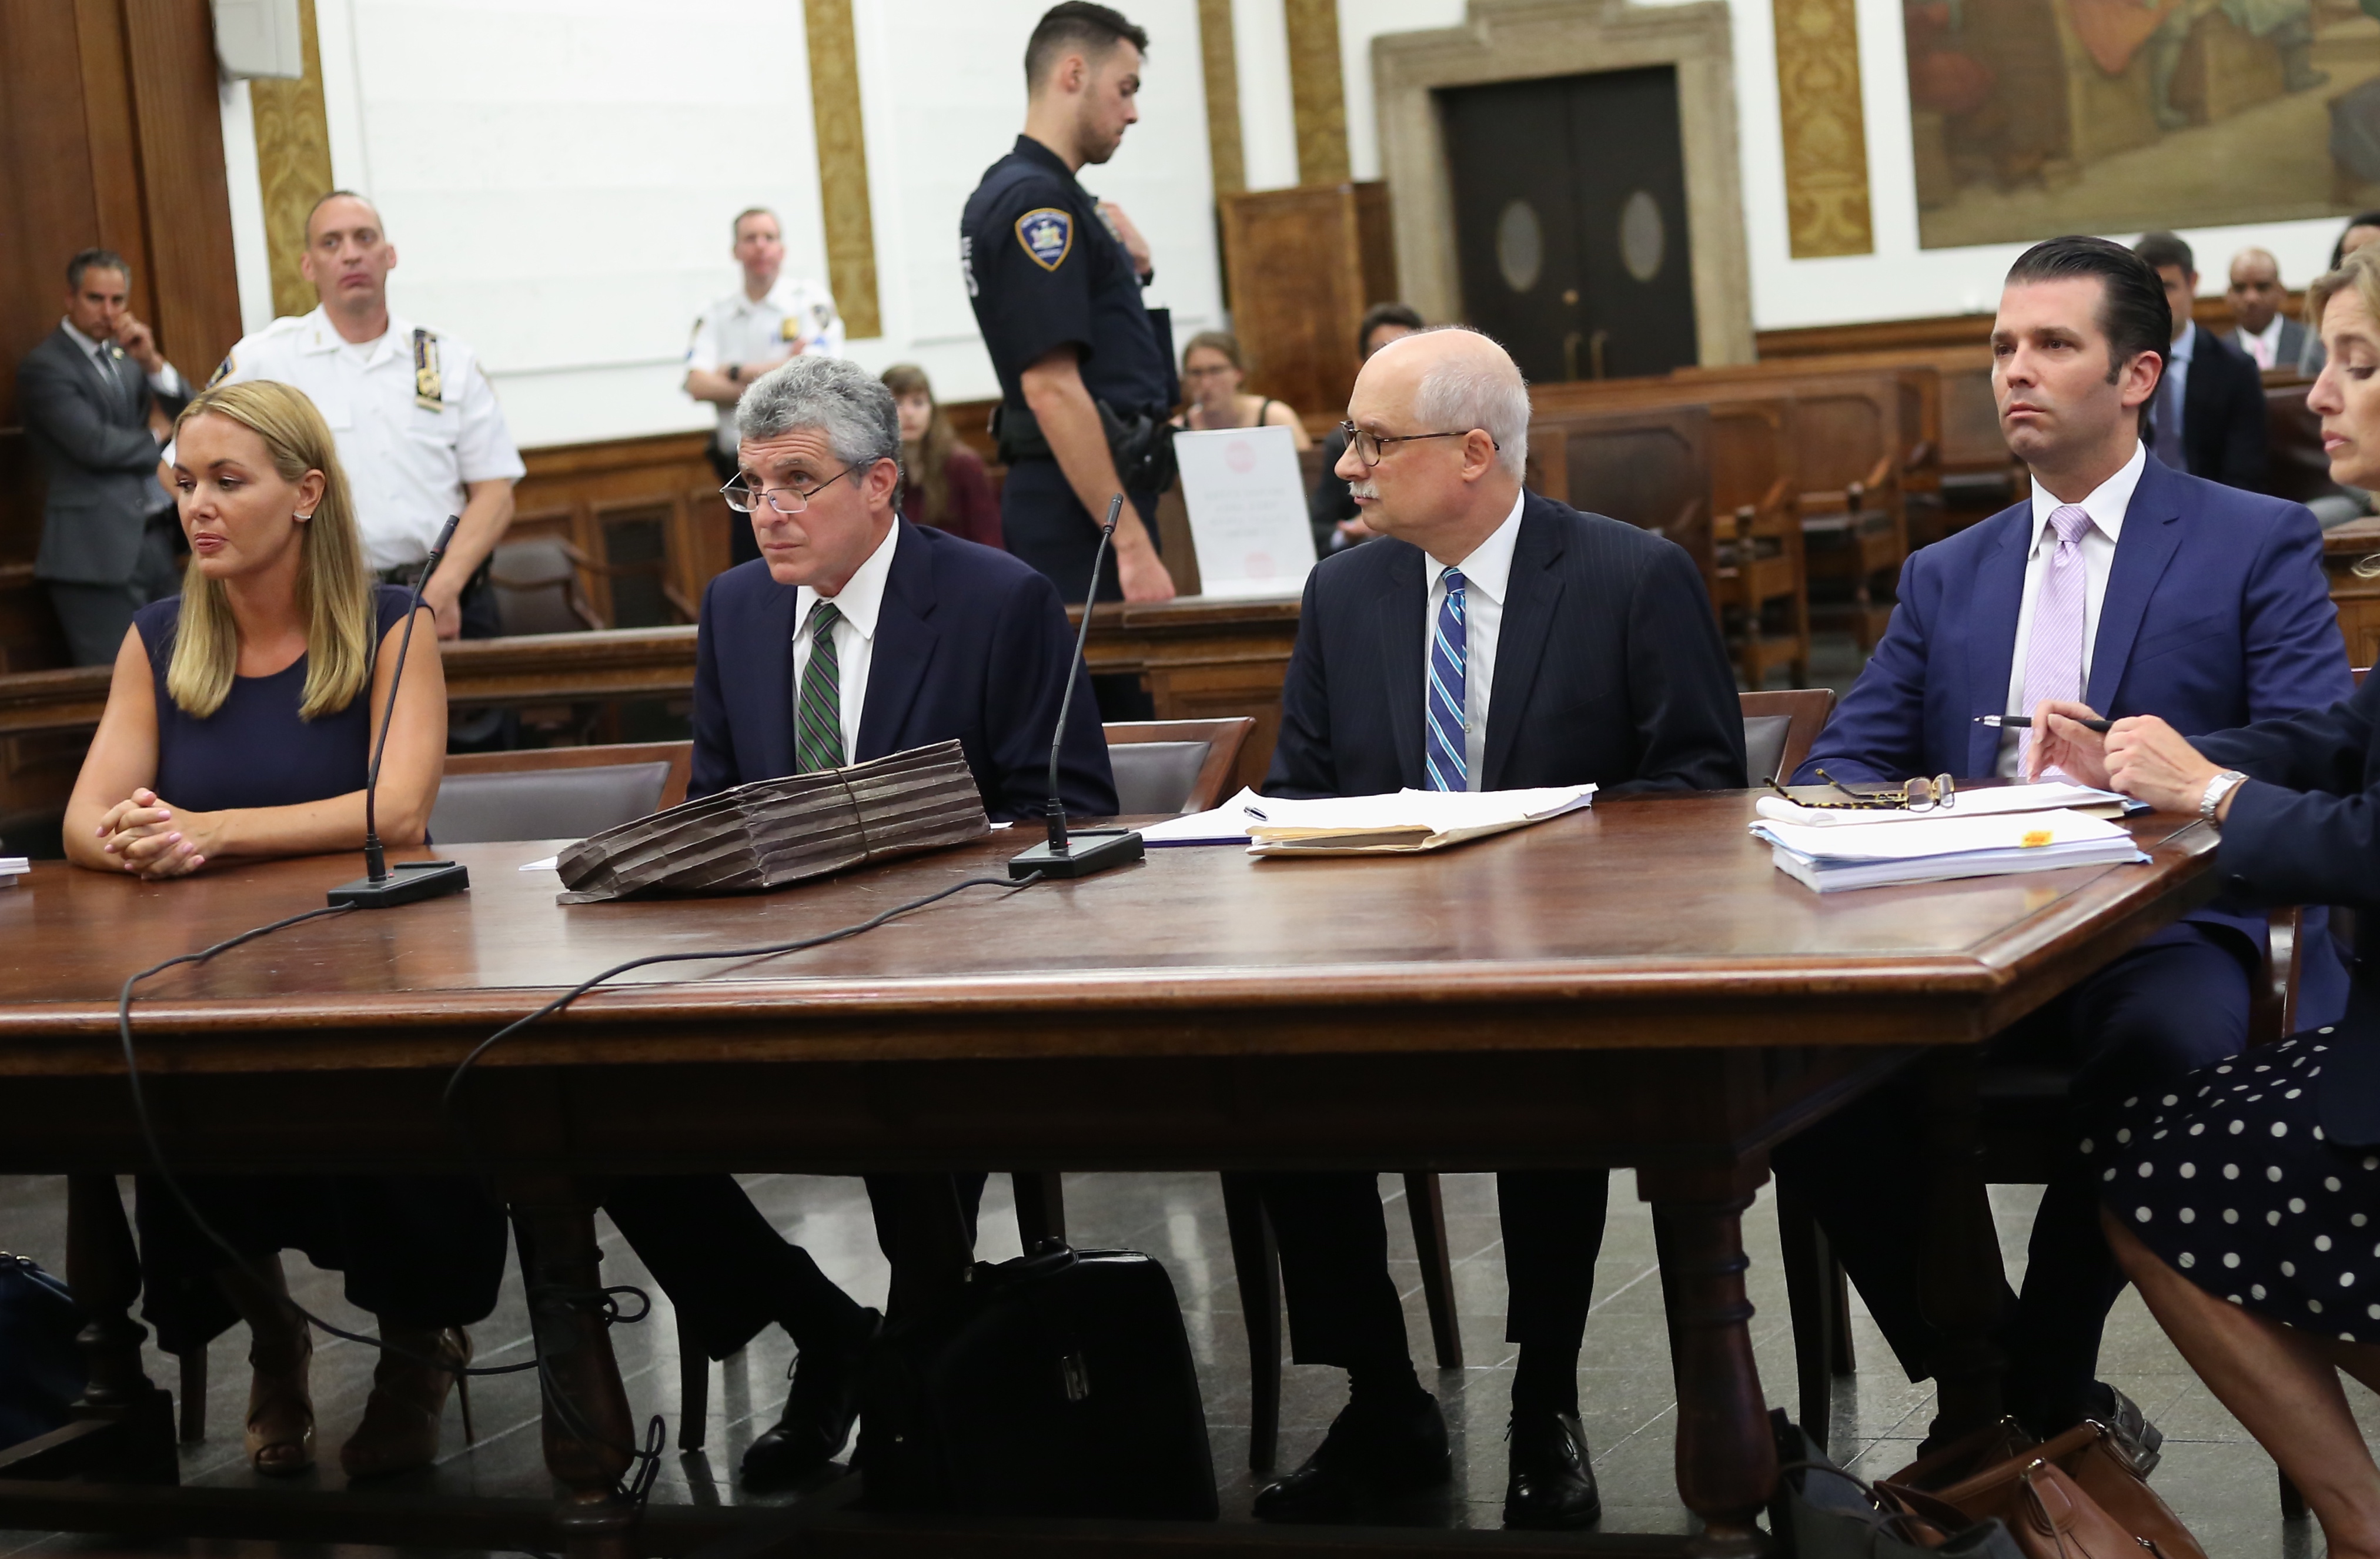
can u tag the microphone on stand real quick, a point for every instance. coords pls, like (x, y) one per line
(1090, 850)
(379, 887)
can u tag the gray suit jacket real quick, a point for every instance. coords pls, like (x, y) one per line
(93, 437)
(2298, 348)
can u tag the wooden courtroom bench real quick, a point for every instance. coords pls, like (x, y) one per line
(2358, 599)
(1204, 659)
(1758, 583)
(1855, 436)
(1646, 464)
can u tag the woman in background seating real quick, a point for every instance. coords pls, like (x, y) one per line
(238, 728)
(945, 485)
(2246, 1202)
(1212, 372)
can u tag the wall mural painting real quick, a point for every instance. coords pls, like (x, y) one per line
(2035, 117)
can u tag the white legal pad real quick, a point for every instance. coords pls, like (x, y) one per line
(2048, 796)
(12, 868)
(1937, 847)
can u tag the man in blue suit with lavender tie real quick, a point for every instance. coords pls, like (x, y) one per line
(2138, 590)
(1494, 640)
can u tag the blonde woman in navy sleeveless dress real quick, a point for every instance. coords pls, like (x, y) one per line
(2245, 1204)
(237, 729)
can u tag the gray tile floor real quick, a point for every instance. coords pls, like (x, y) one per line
(2213, 1475)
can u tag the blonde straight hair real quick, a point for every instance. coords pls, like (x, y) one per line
(335, 590)
(2360, 272)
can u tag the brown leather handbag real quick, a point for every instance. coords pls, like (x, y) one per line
(2077, 1496)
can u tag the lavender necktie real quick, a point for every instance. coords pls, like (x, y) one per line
(2053, 654)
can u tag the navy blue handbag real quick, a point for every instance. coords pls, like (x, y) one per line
(40, 1369)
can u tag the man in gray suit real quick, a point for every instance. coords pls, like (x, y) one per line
(97, 397)
(2269, 337)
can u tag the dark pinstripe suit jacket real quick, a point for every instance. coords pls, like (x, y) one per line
(1609, 669)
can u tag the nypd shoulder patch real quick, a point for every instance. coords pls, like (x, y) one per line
(222, 369)
(1047, 234)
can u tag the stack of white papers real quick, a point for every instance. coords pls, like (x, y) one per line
(1937, 847)
(12, 868)
(2048, 796)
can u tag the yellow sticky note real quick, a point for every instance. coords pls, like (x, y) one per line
(2035, 838)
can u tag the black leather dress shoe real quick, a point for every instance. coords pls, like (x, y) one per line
(820, 1411)
(1368, 1456)
(1550, 1488)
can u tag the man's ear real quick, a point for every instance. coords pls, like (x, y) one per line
(882, 479)
(1479, 454)
(2140, 379)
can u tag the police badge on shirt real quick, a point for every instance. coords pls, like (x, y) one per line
(1047, 235)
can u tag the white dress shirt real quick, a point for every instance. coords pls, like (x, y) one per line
(855, 635)
(2265, 344)
(408, 466)
(2106, 505)
(1486, 574)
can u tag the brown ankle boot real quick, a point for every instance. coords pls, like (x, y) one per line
(399, 1430)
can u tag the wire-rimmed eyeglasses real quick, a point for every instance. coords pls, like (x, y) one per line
(744, 500)
(1918, 794)
(1370, 446)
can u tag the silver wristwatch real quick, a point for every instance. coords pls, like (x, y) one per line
(2218, 788)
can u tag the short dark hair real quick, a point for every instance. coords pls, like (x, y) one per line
(736, 228)
(95, 260)
(2134, 314)
(1381, 314)
(1076, 23)
(2361, 219)
(307, 233)
(2161, 249)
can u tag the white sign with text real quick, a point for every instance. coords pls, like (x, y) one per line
(1246, 501)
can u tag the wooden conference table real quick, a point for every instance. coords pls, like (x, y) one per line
(1636, 986)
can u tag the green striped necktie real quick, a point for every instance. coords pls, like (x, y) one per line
(818, 709)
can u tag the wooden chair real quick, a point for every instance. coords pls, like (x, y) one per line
(1779, 727)
(637, 777)
(1175, 765)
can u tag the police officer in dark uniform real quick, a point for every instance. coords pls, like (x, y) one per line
(1087, 376)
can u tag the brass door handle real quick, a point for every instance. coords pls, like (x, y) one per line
(1594, 350)
(1569, 355)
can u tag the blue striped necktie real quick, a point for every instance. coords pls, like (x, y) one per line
(1444, 763)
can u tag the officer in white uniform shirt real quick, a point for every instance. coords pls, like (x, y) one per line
(419, 429)
(769, 320)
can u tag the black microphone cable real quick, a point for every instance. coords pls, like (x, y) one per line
(646, 1459)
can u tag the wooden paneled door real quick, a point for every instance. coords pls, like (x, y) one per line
(1570, 210)
(111, 136)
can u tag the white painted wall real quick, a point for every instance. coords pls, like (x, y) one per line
(559, 176)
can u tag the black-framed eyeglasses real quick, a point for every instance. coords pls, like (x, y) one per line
(744, 500)
(1370, 446)
(1915, 795)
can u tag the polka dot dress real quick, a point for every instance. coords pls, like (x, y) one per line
(2229, 1180)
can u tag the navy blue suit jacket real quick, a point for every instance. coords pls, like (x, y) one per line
(2307, 827)
(969, 644)
(2217, 614)
(1609, 669)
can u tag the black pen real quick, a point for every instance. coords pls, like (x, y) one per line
(2022, 722)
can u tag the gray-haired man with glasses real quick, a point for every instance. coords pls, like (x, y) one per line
(855, 635)
(1491, 639)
